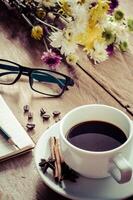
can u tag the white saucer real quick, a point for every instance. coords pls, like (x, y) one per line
(84, 188)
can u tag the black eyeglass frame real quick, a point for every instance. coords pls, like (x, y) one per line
(28, 72)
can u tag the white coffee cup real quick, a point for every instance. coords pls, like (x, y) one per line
(91, 164)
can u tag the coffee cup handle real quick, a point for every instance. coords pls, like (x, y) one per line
(120, 170)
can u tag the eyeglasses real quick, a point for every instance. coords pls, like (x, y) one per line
(43, 81)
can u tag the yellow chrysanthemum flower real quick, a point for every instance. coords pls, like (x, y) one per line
(37, 32)
(94, 31)
(88, 38)
(65, 7)
(97, 13)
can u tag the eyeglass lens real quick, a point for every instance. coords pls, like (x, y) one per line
(47, 82)
(8, 72)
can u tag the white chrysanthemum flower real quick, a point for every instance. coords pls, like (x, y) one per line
(121, 34)
(68, 47)
(49, 3)
(107, 23)
(112, 26)
(64, 40)
(81, 17)
(116, 28)
(56, 39)
(98, 53)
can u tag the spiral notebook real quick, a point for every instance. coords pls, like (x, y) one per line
(13, 128)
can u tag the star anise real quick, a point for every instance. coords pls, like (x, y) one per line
(45, 164)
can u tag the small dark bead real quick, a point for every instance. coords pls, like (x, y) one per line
(56, 113)
(30, 126)
(45, 116)
(26, 108)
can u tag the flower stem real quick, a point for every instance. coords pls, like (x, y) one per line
(45, 44)
(58, 14)
(27, 20)
(49, 25)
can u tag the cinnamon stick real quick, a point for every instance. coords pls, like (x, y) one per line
(61, 171)
(52, 146)
(57, 159)
(60, 155)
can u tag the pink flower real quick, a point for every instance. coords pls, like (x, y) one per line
(51, 59)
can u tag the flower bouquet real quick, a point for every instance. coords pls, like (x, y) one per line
(97, 26)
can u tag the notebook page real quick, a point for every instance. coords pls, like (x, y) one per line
(10, 124)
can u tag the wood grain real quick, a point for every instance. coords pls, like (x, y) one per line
(19, 179)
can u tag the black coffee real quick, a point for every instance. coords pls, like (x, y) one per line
(96, 136)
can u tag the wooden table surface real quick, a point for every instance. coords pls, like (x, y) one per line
(19, 179)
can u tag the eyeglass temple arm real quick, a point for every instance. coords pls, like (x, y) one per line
(50, 78)
(40, 77)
